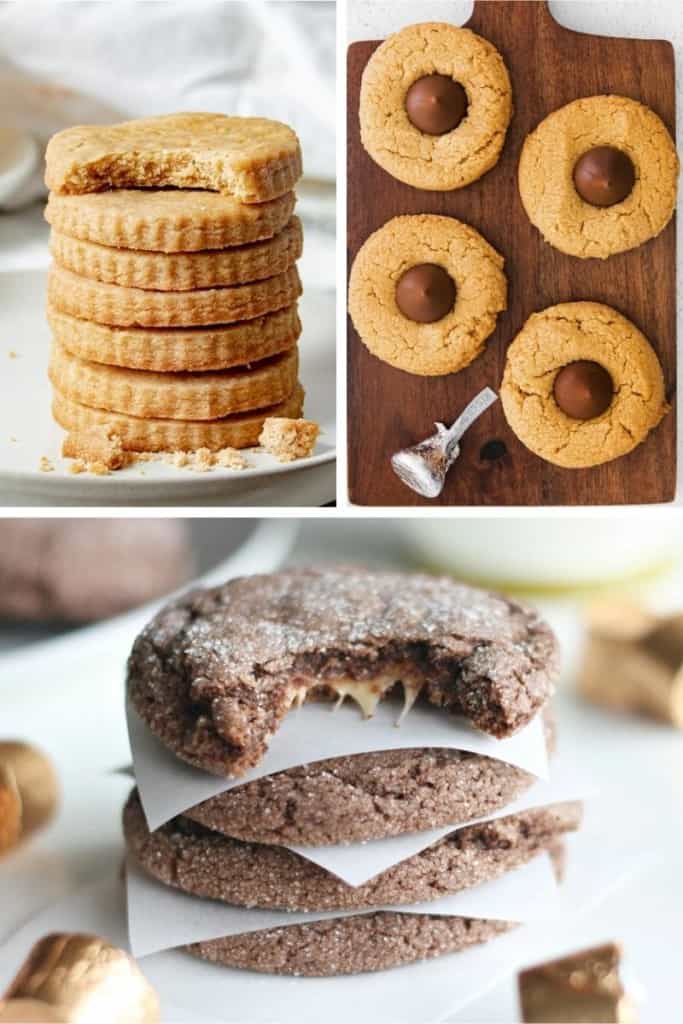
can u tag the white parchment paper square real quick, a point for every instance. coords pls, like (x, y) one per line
(160, 917)
(312, 733)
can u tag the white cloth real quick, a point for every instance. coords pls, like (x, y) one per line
(69, 63)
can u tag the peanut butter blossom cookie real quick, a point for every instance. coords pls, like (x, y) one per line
(425, 292)
(599, 176)
(582, 385)
(435, 104)
(216, 672)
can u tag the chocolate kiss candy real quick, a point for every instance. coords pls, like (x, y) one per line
(583, 390)
(436, 104)
(604, 176)
(425, 293)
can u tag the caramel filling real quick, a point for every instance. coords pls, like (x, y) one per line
(367, 693)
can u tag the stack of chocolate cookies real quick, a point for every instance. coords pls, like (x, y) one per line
(173, 295)
(214, 675)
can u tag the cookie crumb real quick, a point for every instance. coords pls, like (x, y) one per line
(230, 458)
(45, 466)
(288, 439)
(12, 354)
(99, 447)
(77, 466)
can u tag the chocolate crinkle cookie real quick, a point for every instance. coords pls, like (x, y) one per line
(80, 570)
(215, 673)
(374, 795)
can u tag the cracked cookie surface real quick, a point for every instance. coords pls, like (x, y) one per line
(440, 162)
(564, 334)
(429, 349)
(252, 158)
(546, 183)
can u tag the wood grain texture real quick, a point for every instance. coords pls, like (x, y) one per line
(389, 409)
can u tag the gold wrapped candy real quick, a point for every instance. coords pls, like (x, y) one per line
(10, 810)
(80, 979)
(27, 780)
(584, 987)
(634, 662)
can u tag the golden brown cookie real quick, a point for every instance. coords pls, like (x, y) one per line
(547, 182)
(159, 435)
(567, 335)
(474, 267)
(179, 272)
(252, 158)
(167, 220)
(138, 307)
(178, 396)
(453, 158)
(169, 349)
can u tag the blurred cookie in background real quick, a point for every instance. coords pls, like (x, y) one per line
(82, 570)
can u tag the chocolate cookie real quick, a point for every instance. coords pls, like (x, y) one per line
(365, 796)
(86, 569)
(216, 671)
(349, 945)
(207, 864)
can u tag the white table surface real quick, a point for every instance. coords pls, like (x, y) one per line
(640, 19)
(638, 766)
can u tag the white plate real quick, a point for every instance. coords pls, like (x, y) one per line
(27, 431)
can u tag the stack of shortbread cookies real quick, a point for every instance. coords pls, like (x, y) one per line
(214, 675)
(173, 295)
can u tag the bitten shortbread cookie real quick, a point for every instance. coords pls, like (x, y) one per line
(138, 434)
(252, 158)
(179, 272)
(599, 176)
(582, 385)
(141, 307)
(213, 866)
(177, 396)
(214, 674)
(167, 220)
(425, 292)
(435, 104)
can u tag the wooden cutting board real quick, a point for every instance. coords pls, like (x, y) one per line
(389, 409)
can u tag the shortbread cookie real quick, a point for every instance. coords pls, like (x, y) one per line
(137, 307)
(167, 220)
(582, 385)
(214, 674)
(252, 158)
(180, 272)
(163, 435)
(184, 348)
(178, 396)
(213, 866)
(435, 104)
(349, 945)
(425, 292)
(599, 176)
(366, 796)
